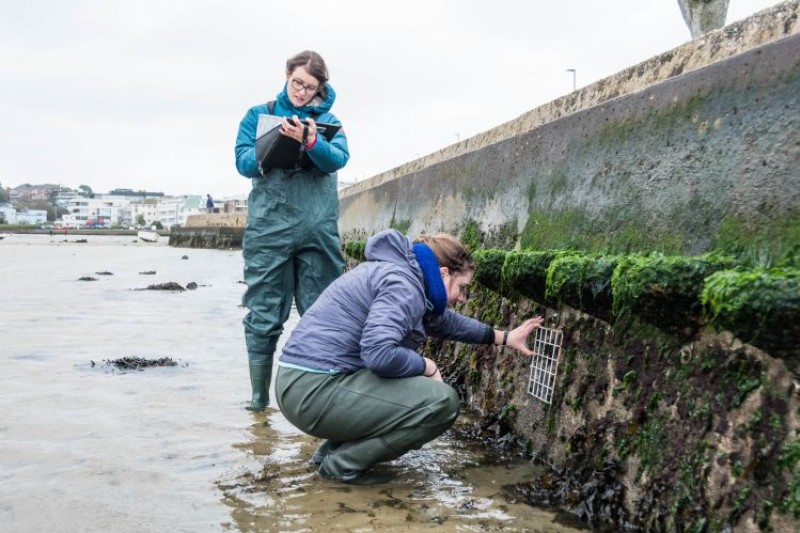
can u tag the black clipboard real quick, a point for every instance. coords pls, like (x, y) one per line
(274, 150)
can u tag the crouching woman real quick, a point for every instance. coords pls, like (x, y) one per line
(350, 373)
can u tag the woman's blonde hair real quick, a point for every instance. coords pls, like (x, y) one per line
(449, 252)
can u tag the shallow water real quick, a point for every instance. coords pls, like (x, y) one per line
(86, 447)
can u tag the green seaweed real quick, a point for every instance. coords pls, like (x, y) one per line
(583, 281)
(789, 460)
(575, 229)
(471, 236)
(762, 244)
(400, 225)
(761, 306)
(524, 274)
(355, 250)
(488, 267)
(664, 290)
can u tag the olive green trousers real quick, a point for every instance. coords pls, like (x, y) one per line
(291, 254)
(371, 419)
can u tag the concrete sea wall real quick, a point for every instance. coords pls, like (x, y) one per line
(212, 230)
(683, 427)
(672, 154)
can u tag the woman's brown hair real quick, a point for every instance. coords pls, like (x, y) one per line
(315, 66)
(449, 252)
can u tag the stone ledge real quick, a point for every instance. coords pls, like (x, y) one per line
(761, 28)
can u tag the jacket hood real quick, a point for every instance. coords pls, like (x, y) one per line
(391, 246)
(316, 105)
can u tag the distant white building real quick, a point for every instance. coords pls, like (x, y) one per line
(236, 205)
(107, 210)
(9, 213)
(173, 211)
(146, 210)
(34, 217)
(90, 212)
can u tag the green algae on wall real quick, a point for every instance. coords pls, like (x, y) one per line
(661, 392)
(583, 281)
(789, 462)
(575, 229)
(765, 244)
(489, 267)
(524, 274)
(355, 250)
(761, 306)
(664, 290)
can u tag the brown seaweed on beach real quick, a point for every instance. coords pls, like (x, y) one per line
(170, 286)
(139, 363)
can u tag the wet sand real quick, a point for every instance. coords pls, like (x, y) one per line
(88, 447)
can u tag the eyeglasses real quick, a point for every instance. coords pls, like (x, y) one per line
(300, 86)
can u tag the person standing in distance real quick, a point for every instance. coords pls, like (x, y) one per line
(291, 241)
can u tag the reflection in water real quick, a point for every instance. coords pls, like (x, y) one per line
(93, 448)
(448, 485)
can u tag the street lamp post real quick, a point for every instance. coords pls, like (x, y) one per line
(574, 86)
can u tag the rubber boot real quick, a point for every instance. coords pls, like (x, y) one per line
(260, 377)
(352, 462)
(260, 352)
(357, 477)
(322, 452)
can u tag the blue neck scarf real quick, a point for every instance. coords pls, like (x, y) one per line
(435, 293)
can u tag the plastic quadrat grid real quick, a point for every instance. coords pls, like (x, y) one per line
(544, 364)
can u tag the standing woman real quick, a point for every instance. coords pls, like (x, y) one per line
(350, 372)
(291, 241)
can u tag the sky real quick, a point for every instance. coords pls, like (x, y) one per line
(148, 94)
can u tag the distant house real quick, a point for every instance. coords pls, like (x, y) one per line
(34, 217)
(89, 212)
(9, 213)
(30, 193)
(235, 206)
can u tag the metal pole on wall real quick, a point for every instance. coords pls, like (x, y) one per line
(574, 86)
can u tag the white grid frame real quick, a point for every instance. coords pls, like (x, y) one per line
(544, 364)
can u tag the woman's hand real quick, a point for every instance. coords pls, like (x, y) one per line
(432, 370)
(518, 337)
(292, 127)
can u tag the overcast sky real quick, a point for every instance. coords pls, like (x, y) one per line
(148, 94)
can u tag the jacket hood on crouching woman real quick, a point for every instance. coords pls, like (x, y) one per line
(375, 317)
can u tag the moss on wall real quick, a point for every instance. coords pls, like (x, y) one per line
(576, 229)
(583, 281)
(760, 242)
(664, 290)
(677, 294)
(761, 306)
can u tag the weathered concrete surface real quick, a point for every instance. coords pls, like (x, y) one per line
(220, 237)
(210, 230)
(709, 135)
(686, 434)
(213, 220)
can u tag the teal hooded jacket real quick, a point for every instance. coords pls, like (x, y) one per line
(327, 156)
